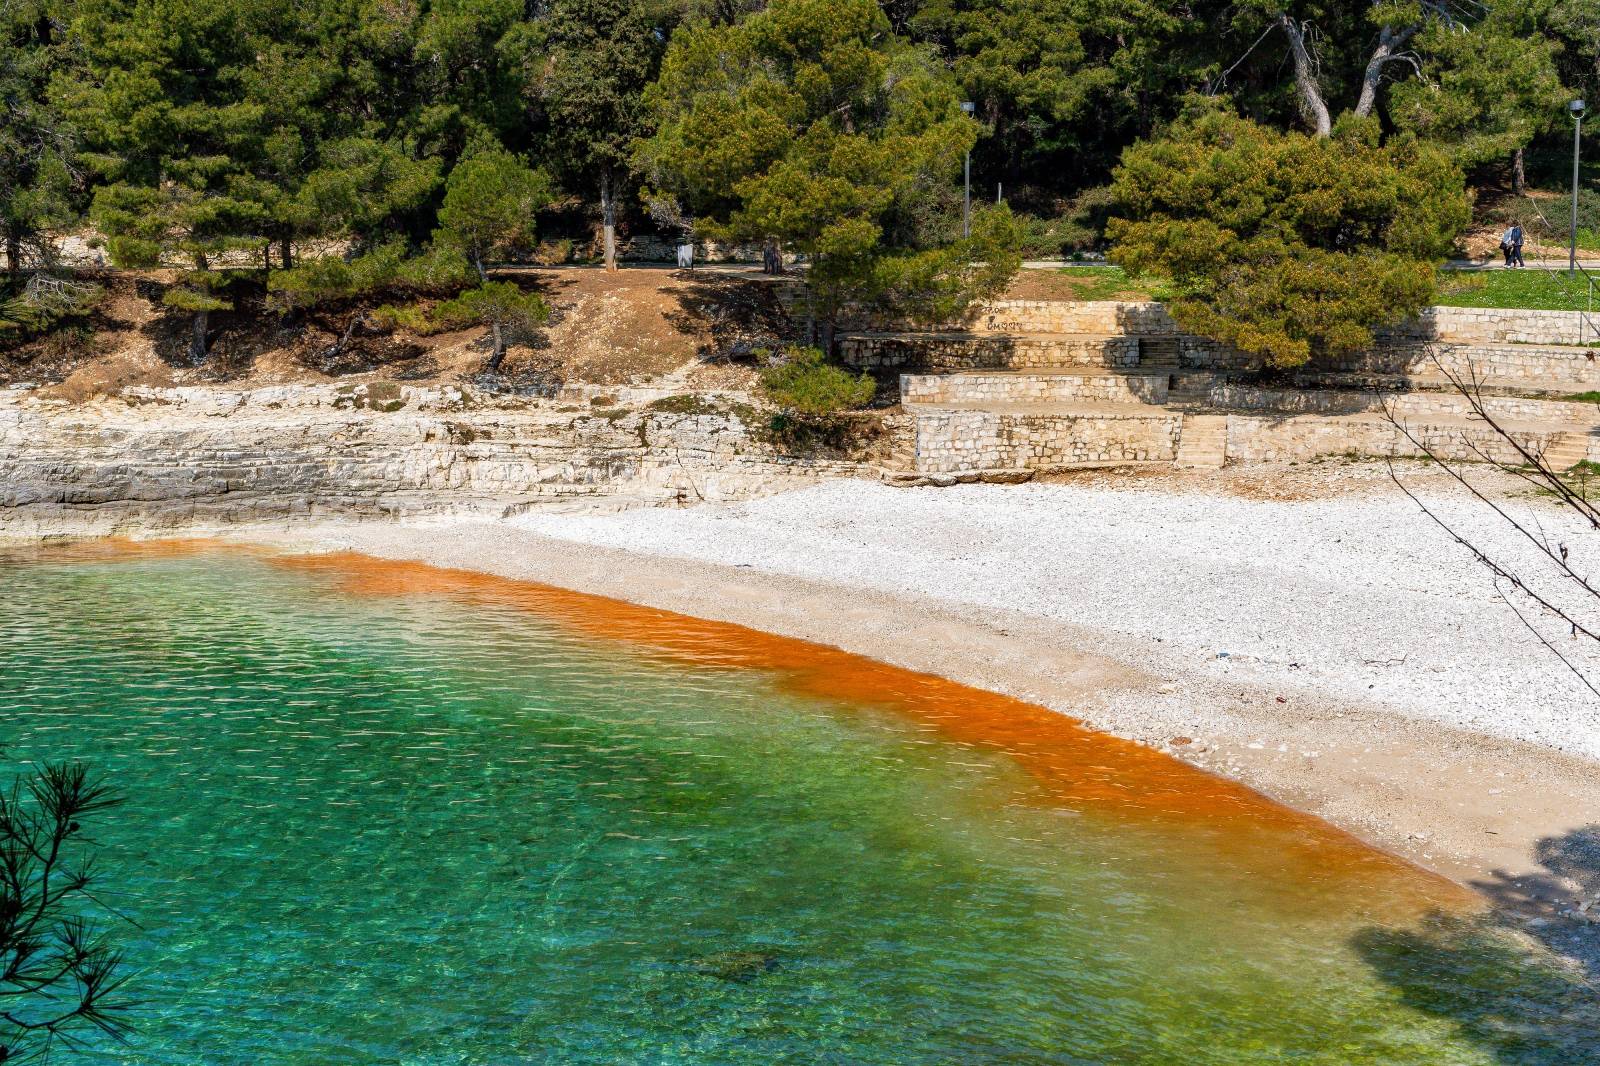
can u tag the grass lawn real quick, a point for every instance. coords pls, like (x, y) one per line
(1084, 283)
(1109, 283)
(1532, 290)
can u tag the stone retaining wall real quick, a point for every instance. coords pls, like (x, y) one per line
(1256, 439)
(968, 351)
(1060, 316)
(962, 441)
(1405, 405)
(1492, 325)
(949, 442)
(1506, 360)
(977, 388)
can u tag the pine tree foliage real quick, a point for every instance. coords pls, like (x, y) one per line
(811, 123)
(61, 977)
(233, 139)
(1286, 245)
(39, 178)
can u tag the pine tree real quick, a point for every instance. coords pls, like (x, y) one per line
(37, 143)
(812, 124)
(177, 141)
(589, 63)
(489, 204)
(1286, 245)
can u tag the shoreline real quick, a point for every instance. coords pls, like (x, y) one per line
(1299, 630)
(1469, 806)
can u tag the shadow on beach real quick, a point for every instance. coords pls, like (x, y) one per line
(1522, 980)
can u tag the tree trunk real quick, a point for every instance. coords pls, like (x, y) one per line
(344, 338)
(13, 252)
(1519, 176)
(285, 252)
(202, 319)
(608, 217)
(499, 348)
(499, 352)
(197, 342)
(1312, 103)
(1390, 41)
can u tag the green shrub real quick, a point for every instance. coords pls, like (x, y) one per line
(805, 383)
(411, 317)
(554, 251)
(1559, 212)
(1078, 231)
(493, 302)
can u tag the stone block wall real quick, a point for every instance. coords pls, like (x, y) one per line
(1412, 405)
(1492, 325)
(1532, 362)
(1200, 353)
(976, 351)
(1256, 439)
(962, 441)
(1102, 317)
(978, 388)
(1059, 316)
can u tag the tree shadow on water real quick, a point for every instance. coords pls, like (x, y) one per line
(1520, 980)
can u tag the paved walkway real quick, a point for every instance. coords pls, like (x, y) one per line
(1592, 265)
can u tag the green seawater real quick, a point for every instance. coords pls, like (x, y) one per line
(428, 829)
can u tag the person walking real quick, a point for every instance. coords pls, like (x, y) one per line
(1505, 243)
(1515, 233)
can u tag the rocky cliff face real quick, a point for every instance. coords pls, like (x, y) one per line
(196, 458)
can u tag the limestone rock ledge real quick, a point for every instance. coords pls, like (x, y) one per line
(197, 458)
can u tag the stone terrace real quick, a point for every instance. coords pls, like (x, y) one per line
(1027, 386)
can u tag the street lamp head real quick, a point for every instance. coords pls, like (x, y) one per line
(1576, 107)
(968, 106)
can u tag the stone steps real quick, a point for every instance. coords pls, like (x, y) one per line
(1203, 444)
(1566, 451)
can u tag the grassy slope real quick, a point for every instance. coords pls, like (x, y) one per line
(1533, 290)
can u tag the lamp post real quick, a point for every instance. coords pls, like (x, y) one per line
(967, 107)
(1576, 110)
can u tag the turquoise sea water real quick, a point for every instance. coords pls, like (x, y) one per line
(429, 828)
